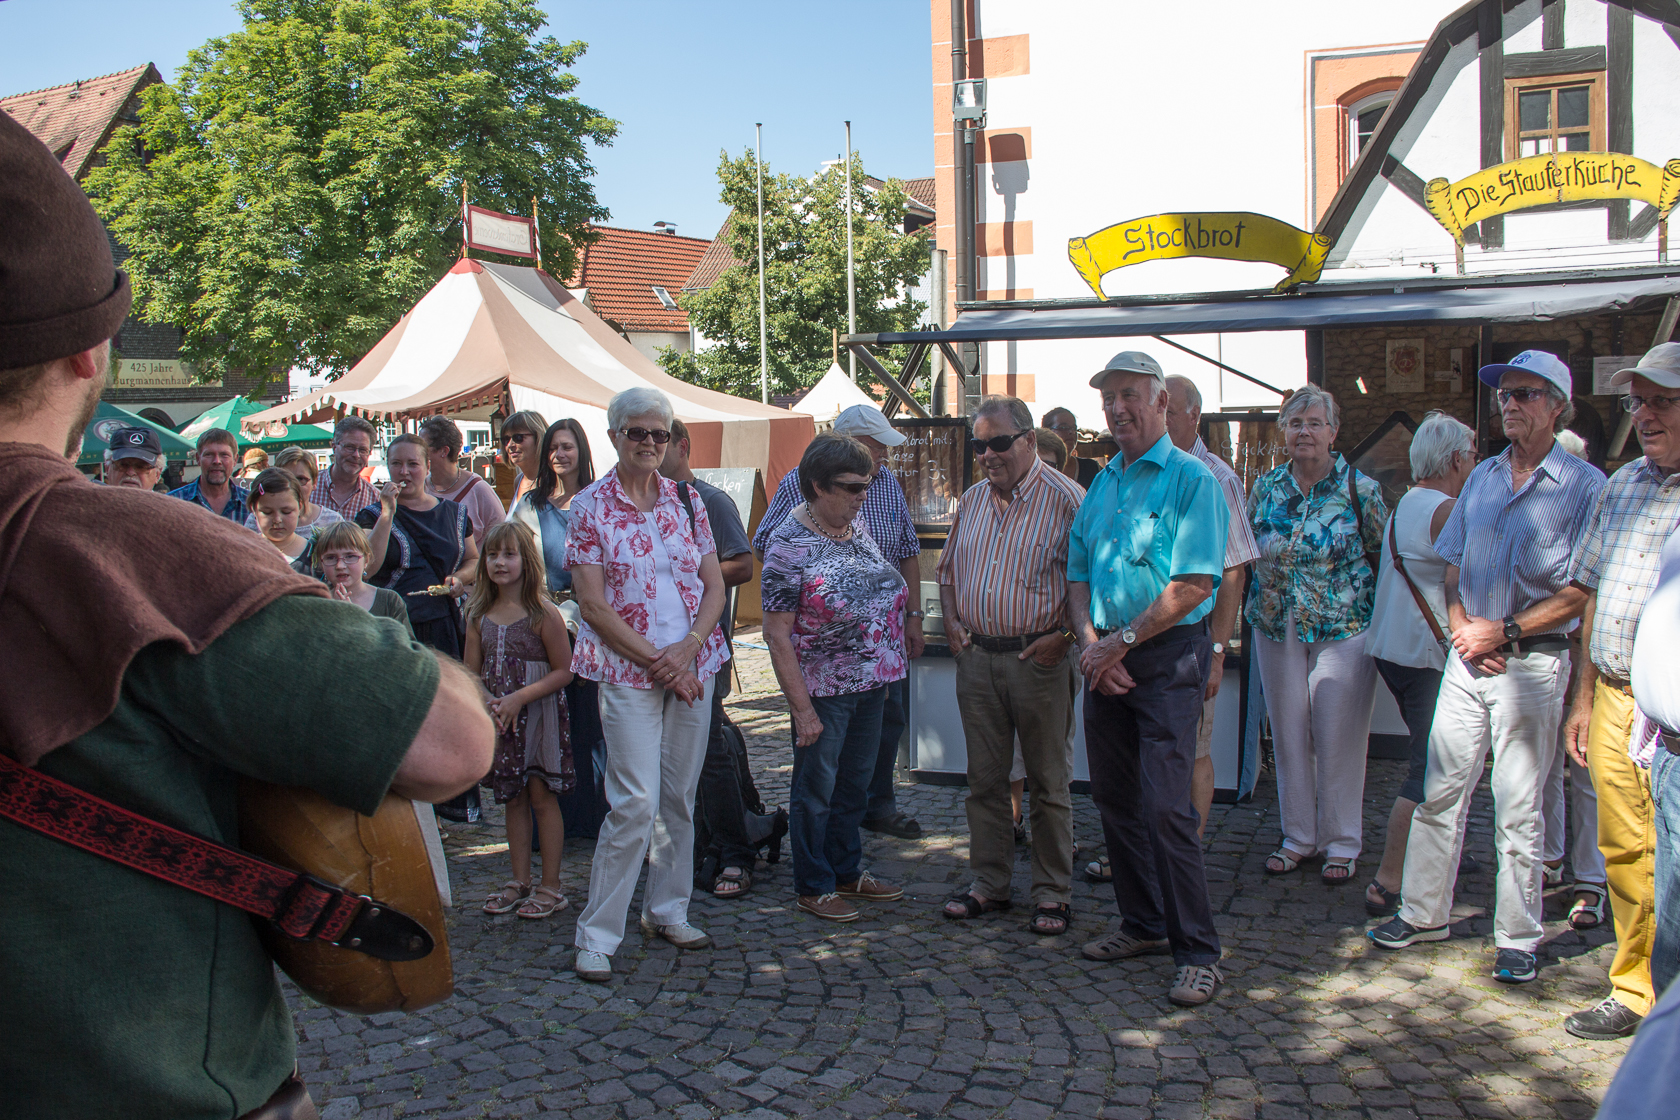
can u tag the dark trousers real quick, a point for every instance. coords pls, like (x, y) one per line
(1141, 748)
(720, 789)
(830, 787)
(1415, 690)
(895, 713)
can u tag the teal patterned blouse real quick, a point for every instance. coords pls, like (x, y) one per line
(1312, 561)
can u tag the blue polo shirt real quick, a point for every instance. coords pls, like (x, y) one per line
(1143, 525)
(234, 510)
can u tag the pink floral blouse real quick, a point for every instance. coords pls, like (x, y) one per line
(607, 529)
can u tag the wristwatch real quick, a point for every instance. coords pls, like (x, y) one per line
(1513, 630)
(1219, 649)
(1128, 637)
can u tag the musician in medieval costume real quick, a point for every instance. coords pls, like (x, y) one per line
(143, 639)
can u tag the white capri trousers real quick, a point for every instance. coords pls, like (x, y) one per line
(1319, 697)
(1516, 715)
(656, 746)
(1584, 853)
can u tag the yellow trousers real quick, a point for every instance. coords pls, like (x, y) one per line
(1627, 836)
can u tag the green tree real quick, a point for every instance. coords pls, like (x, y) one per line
(804, 277)
(296, 190)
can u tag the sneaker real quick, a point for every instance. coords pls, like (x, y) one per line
(899, 825)
(1195, 984)
(867, 888)
(1119, 945)
(592, 966)
(1608, 1019)
(682, 935)
(830, 907)
(1397, 934)
(1514, 966)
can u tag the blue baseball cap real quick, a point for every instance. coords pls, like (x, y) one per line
(1540, 363)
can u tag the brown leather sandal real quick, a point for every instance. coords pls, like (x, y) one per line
(512, 893)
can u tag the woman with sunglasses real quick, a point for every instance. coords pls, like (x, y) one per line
(650, 592)
(834, 621)
(521, 437)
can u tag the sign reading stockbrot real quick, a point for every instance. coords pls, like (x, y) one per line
(142, 373)
(1225, 235)
(1559, 177)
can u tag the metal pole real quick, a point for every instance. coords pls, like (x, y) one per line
(763, 337)
(960, 222)
(971, 211)
(536, 230)
(851, 275)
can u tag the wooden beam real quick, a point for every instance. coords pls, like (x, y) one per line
(887, 379)
(1221, 365)
(1551, 25)
(1618, 105)
(907, 375)
(1490, 42)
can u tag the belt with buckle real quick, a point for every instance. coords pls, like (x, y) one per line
(1006, 645)
(1669, 740)
(1616, 684)
(1535, 643)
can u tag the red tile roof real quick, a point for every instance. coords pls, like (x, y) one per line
(622, 266)
(75, 120)
(922, 190)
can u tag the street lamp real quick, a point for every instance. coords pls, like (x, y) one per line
(968, 102)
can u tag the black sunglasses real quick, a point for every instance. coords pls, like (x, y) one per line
(999, 444)
(849, 487)
(637, 435)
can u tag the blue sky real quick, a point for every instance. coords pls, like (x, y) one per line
(684, 80)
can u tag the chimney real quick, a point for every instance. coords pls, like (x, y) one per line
(666, 227)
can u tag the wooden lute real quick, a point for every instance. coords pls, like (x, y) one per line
(384, 857)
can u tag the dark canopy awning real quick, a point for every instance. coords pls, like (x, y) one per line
(1504, 299)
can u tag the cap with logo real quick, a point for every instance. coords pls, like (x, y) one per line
(866, 420)
(136, 443)
(1128, 361)
(1538, 362)
(1660, 364)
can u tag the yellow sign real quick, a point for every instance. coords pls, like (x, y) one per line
(1227, 235)
(1559, 177)
(141, 373)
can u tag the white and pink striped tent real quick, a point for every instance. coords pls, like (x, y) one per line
(495, 337)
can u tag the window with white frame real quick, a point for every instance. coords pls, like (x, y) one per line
(1362, 119)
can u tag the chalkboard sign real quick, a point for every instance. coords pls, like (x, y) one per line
(934, 466)
(737, 482)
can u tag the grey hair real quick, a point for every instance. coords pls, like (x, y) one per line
(1192, 395)
(1435, 442)
(1013, 407)
(1568, 413)
(639, 401)
(1304, 398)
(1573, 443)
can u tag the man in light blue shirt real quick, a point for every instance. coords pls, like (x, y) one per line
(1145, 553)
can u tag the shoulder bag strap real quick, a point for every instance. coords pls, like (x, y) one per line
(300, 906)
(687, 503)
(1371, 558)
(1417, 596)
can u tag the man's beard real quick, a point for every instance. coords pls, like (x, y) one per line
(84, 417)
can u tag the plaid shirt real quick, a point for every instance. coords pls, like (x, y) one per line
(884, 513)
(362, 497)
(234, 510)
(1619, 556)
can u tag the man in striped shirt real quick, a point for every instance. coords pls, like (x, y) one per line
(1507, 546)
(1003, 589)
(1617, 564)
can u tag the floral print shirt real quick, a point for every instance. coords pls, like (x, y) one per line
(848, 606)
(608, 530)
(1312, 560)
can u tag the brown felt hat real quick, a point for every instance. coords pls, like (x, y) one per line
(60, 293)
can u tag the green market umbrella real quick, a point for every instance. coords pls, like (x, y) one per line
(270, 436)
(108, 418)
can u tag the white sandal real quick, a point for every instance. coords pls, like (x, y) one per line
(1290, 860)
(1594, 910)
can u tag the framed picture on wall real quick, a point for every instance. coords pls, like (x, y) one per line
(1405, 366)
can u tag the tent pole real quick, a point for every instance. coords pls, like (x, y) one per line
(763, 341)
(463, 219)
(536, 231)
(851, 274)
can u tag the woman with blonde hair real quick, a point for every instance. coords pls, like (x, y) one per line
(521, 440)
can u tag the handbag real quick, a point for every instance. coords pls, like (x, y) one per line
(1441, 638)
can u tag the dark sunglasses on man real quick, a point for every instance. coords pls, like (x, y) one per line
(637, 435)
(999, 444)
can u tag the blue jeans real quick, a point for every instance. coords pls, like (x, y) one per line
(895, 713)
(831, 788)
(1665, 800)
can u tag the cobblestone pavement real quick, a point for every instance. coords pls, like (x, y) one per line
(903, 1014)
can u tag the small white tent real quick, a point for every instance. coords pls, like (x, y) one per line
(831, 396)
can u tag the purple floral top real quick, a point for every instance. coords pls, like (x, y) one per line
(848, 607)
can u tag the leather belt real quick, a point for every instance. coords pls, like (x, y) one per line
(1170, 634)
(1616, 684)
(1670, 740)
(1535, 643)
(1006, 645)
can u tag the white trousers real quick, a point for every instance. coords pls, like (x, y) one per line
(1516, 714)
(656, 746)
(1584, 854)
(1319, 697)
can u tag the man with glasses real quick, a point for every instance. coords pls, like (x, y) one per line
(1616, 566)
(1003, 588)
(888, 519)
(1146, 552)
(1066, 427)
(1511, 607)
(342, 488)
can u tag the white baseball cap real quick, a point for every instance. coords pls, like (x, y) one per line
(1128, 361)
(1661, 364)
(867, 420)
(1540, 363)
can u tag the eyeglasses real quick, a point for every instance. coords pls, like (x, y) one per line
(997, 444)
(1656, 404)
(853, 488)
(1059, 428)
(637, 435)
(1506, 396)
(1297, 424)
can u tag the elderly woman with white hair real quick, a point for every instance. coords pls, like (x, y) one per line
(1319, 526)
(648, 584)
(1409, 634)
